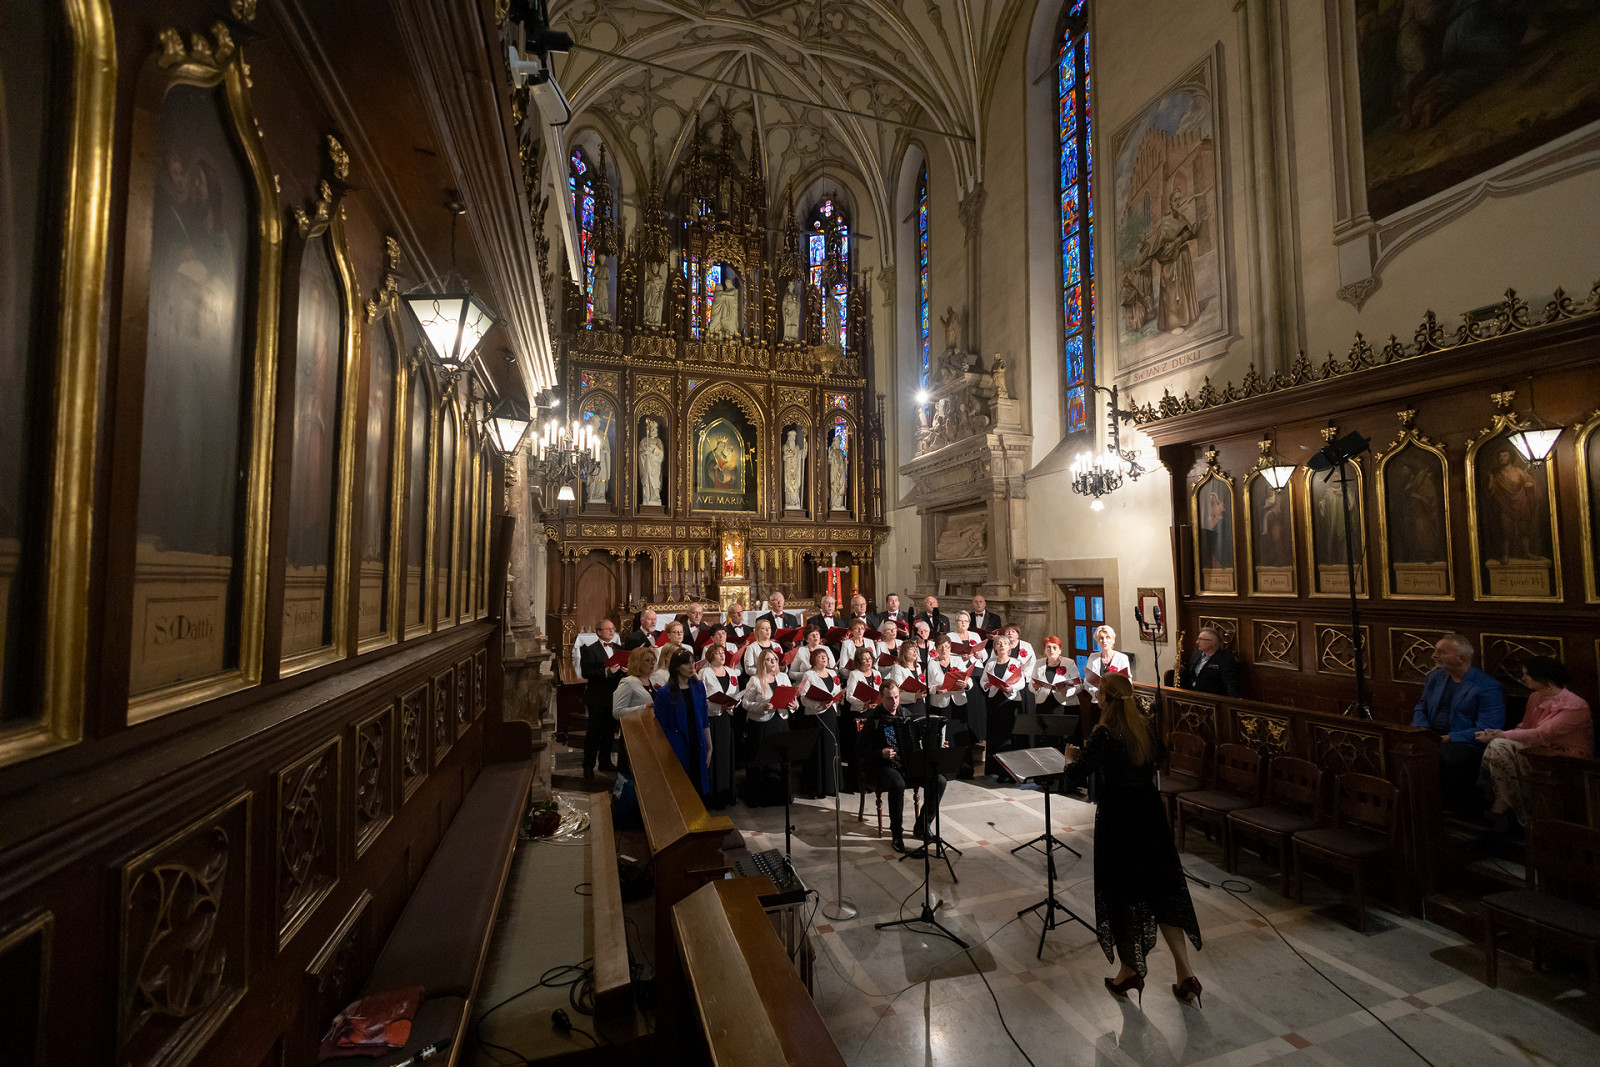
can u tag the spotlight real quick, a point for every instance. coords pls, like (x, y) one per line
(922, 396)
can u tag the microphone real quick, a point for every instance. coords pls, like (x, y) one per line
(1138, 613)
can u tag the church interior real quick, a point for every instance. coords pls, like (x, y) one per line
(865, 532)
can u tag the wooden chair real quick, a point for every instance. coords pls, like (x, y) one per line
(1559, 904)
(1293, 803)
(877, 794)
(1366, 815)
(1186, 769)
(1236, 785)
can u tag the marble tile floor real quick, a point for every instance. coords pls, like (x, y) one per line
(899, 997)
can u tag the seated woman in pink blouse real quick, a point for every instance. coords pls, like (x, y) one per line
(1556, 719)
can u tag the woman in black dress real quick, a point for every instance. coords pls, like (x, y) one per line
(1138, 880)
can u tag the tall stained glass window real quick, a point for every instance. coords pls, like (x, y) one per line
(1077, 213)
(704, 282)
(825, 217)
(923, 333)
(580, 178)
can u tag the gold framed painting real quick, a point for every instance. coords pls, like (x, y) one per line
(1269, 539)
(1413, 481)
(1588, 455)
(1211, 514)
(1327, 506)
(1511, 508)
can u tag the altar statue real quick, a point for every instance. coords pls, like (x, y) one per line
(602, 289)
(791, 316)
(836, 473)
(600, 480)
(794, 471)
(724, 320)
(652, 453)
(655, 293)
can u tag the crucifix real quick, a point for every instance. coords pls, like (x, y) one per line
(834, 582)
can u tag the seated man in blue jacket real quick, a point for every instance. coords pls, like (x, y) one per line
(1457, 701)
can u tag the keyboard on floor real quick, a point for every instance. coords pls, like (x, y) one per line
(747, 864)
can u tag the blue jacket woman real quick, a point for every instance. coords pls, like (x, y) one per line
(680, 708)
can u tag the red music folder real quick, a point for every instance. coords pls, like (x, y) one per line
(835, 634)
(722, 700)
(913, 686)
(822, 696)
(784, 637)
(954, 681)
(661, 638)
(788, 657)
(865, 693)
(886, 659)
(783, 696)
(620, 659)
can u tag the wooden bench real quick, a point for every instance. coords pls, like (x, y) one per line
(442, 937)
(752, 1007)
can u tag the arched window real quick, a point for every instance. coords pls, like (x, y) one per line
(1077, 213)
(828, 248)
(923, 333)
(580, 179)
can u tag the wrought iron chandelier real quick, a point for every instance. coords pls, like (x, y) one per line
(1099, 475)
(565, 453)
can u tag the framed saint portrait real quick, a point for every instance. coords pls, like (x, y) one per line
(1588, 452)
(1511, 502)
(1414, 520)
(1211, 513)
(1333, 515)
(1269, 541)
(419, 448)
(724, 473)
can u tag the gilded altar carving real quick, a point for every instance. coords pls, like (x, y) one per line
(648, 384)
(184, 921)
(307, 837)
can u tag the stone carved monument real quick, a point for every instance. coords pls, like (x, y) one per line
(652, 454)
(794, 472)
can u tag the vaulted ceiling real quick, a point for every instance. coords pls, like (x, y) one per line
(910, 63)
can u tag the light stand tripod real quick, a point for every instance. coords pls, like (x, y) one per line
(841, 907)
(926, 916)
(1042, 765)
(1341, 454)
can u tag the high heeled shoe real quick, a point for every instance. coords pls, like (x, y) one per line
(1188, 991)
(1133, 983)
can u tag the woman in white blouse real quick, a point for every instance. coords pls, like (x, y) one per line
(1102, 663)
(760, 642)
(864, 669)
(816, 774)
(1053, 672)
(908, 664)
(671, 642)
(719, 678)
(939, 664)
(765, 784)
(634, 694)
(963, 635)
(1003, 682)
(857, 641)
(801, 663)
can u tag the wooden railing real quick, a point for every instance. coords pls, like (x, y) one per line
(753, 1009)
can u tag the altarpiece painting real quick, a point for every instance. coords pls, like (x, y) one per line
(1211, 517)
(1515, 555)
(1269, 541)
(1414, 517)
(724, 459)
(1336, 530)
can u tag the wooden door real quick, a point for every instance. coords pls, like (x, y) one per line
(1086, 611)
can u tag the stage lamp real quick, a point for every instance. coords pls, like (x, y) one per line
(448, 313)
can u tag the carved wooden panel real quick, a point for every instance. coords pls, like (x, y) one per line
(444, 714)
(25, 976)
(1338, 749)
(413, 740)
(308, 837)
(1503, 655)
(1411, 653)
(183, 962)
(1276, 643)
(335, 972)
(480, 674)
(463, 694)
(373, 793)
(1335, 653)
(1193, 717)
(1267, 734)
(1226, 627)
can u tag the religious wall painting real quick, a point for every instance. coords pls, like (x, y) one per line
(1588, 454)
(1171, 290)
(1211, 517)
(652, 450)
(1512, 517)
(1269, 540)
(1448, 91)
(1332, 508)
(421, 426)
(794, 461)
(202, 287)
(725, 471)
(308, 605)
(837, 472)
(377, 486)
(446, 478)
(598, 415)
(1414, 517)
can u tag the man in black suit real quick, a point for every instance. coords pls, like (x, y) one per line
(777, 617)
(828, 617)
(694, 623)
(938, 621)
(984, 619)
(644, 632)
(737, 629)
(890, 613)
(1212, 669)
(603, 682)
(858, 609)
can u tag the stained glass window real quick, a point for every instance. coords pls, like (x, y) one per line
(922, 271)
(580, 179)
(705, 283)
(839, 400)
(1077, 214)
(826, 216)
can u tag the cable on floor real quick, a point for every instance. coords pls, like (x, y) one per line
(578, 978)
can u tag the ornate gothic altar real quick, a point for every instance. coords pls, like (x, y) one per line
(732, 396)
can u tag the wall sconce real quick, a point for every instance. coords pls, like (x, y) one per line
(449, 315)
(1274, 472)
(1535, 440)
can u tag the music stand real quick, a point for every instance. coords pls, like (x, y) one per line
(929, 763)
(1036, 763)
(786, 746)
(1061, 725)
(926, 915)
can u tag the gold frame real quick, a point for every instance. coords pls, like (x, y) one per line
(444, 616)
(204, 67)
(83, 164)
(345, 462)
(704, 397)
(1308, 521)
(1250, 539)
(1212, 471)
(1504, 421)
(489, 456)
(1591, 583)
(385, 309)
(1409, 436)
(466, 601)
(593, 400)
(418, 376)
